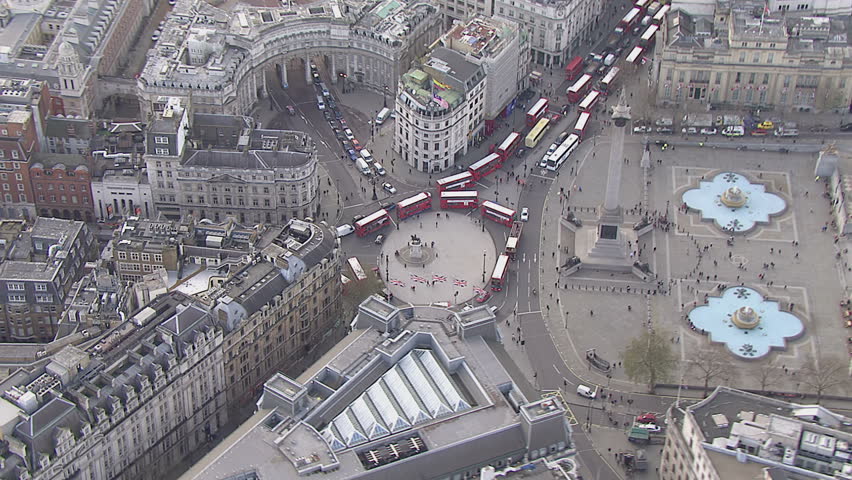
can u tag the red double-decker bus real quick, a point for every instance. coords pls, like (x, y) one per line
(498, 213)
(498, 278)
(514, 239)
(582, 124)
(372, 222)
(574, 68)
(576, 91)
(485, 166)
(509, 145)
(630, 18)
(589, 101)
(536, 112)
(414, 205)
(460, 199)
(458, 181)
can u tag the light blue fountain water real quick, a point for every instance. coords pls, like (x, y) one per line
(758, 208)
(773, 330)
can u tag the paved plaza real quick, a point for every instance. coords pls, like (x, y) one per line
(454, 251)
(605, 311)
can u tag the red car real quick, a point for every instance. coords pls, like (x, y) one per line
(646, 418)
(760, 133)
(483, 297)
(356, 145)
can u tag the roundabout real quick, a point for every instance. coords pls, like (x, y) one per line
(438, 257)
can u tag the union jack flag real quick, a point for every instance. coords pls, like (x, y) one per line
(460, 283)
(417, 278)
(439, 278)
(398, 283)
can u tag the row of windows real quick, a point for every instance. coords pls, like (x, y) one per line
(146, 257)
(703, 76)
(64, 199)
(21, 198)
(21, 298)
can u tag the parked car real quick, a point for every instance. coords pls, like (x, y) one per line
(380, 239)
(650, 427)
(525, 214)
(389, 188)
(733, 131)
(356, 145)
(388, 205)
(846, 127)
(353, 155)
(642, 129)
(759, 132)
(357, 217)
(646, 418)
(708, 131)
(766, 125)
(483, 296)
(689, 130)
(664, 130)
(155, 36)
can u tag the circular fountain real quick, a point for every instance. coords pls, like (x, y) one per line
(734, 197)
(745, 317)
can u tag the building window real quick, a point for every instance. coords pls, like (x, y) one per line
(146, 257)
(718, 78)
(44, 298)
(162, 151)
(161, 140)
(770, 57)
(742, 57)
(158, 258)
(751, 77)
(134, 255)
(122, 255)
(786, 81)
(17, 298)
(14, 154)
(15, 286)
(735, 95)
(765, 78)
(40, 287)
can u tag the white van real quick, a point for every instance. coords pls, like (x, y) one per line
(363, 167)
(733, 131)
(610, 59)
(587, 392)
(365, 154)
(380, 170)
(324, 89)
(320, 103)
(383, 115)
(344, 230)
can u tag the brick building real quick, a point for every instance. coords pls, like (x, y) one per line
(61, 186)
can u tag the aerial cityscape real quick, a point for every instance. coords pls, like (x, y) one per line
(440, 239)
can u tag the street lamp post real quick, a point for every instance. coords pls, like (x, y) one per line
(385, 96)
(387, 267)
(375, 195)
(483, 266)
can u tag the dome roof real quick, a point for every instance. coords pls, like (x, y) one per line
(67, 50)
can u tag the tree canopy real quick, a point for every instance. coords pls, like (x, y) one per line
(649, 358)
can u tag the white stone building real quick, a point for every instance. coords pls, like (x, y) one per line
(741, 57)
(555, 29)
(502, 50)
(122, 192)
(440, 110)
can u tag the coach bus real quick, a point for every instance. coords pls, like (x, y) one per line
(537, 132)
(635, 55)
(498, 213)
(498, 278)
(578, 89)
(609, 80)
(562, 153)
(460, 199)
(582, 124)
(484, 167)
(589, 102)
(414, 205)
(459, 181)
(372, 222)
(537, 111)
(508, 146)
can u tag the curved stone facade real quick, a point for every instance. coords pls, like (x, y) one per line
(229, 52)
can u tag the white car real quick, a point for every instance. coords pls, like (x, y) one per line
(689, 130)
(642, 129)
(550, 150)
(389, 188)
(650, 427)
(348, 133)
(708, 131)
(525, 214)
(733, 131)
(155, 36)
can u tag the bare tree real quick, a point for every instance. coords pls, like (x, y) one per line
(767, 374)
(830, 373)
(710, 364)
(649, 358)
